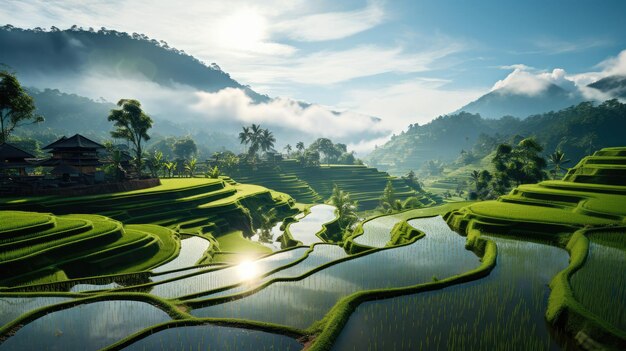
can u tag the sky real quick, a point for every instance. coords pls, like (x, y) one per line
(404, 61)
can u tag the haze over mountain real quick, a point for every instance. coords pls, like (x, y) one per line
(613, 85)
(577, 130)
(107, 65)
(527, 91)
(501, 102)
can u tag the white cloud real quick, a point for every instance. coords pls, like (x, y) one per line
(244, 37)
(530, 81)
(519, 66)
(313, 120)
(330, 67)
(331, 25)
(521, 81)
(364, 147)
(558, 46)
(228, 108)
(614, 65)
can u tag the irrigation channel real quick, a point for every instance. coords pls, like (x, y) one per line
(299, 303)
(306, 228)
(503, 311)
(13, 307)
(275, 232)
(376, 232)
(89, 326)
(191, 251)
(192, 248)
(212, 337)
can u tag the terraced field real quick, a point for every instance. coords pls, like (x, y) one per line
(48, 247)
(590, 201)
(178, 300)
(310, 185)
(404, 281)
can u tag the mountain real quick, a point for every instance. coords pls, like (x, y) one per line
(176, 89)
(116, 54)
(501, 102)
(441, 139)
(577, 130)
(613, 85)
(68, 114)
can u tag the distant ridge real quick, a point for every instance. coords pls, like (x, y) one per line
(500, 103)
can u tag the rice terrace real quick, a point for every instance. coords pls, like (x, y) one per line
(150, 201)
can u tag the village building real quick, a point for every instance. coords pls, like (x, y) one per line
(75, 157)
(14, 160)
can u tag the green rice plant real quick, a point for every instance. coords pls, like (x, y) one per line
(600, 285)
(502, 311)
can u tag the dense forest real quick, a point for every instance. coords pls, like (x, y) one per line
(576, 130)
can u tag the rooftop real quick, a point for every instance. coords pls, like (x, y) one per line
(74, 142)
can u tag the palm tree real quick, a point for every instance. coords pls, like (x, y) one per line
(256, 133)
(169, 166)
(266, 140)
(300, 146)
(399, 205)
(346, 208)
(288, 149)
(557, 158)
(190, 166)
(245, 136)
(474, 178)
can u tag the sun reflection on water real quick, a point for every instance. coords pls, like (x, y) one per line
(248, 269)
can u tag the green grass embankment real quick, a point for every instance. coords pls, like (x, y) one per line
(590, 198)
(79, 245)
(567, 312)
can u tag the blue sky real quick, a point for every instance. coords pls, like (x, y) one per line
(403, 61)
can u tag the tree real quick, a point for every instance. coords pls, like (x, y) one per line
(185, 148)
(300, 146)
(258, 139)
(521, 164)
(114, 169)
(311, 158)
(170, 167)
(155, 163)
(268, 218)
(16, 106)
(255, 136)
(245, 136)
(190, 166)
(474, 178)
(389, 195)
(213, 173)
(229, 161)
(346, 208)
(266, 140)
(217, 156)
(557, 159)
(288, 149)
(131, 124)
(412, 181)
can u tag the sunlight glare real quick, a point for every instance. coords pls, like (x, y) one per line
(242, 30)
(247, 270)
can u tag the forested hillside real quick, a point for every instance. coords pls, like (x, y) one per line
(576, 130)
